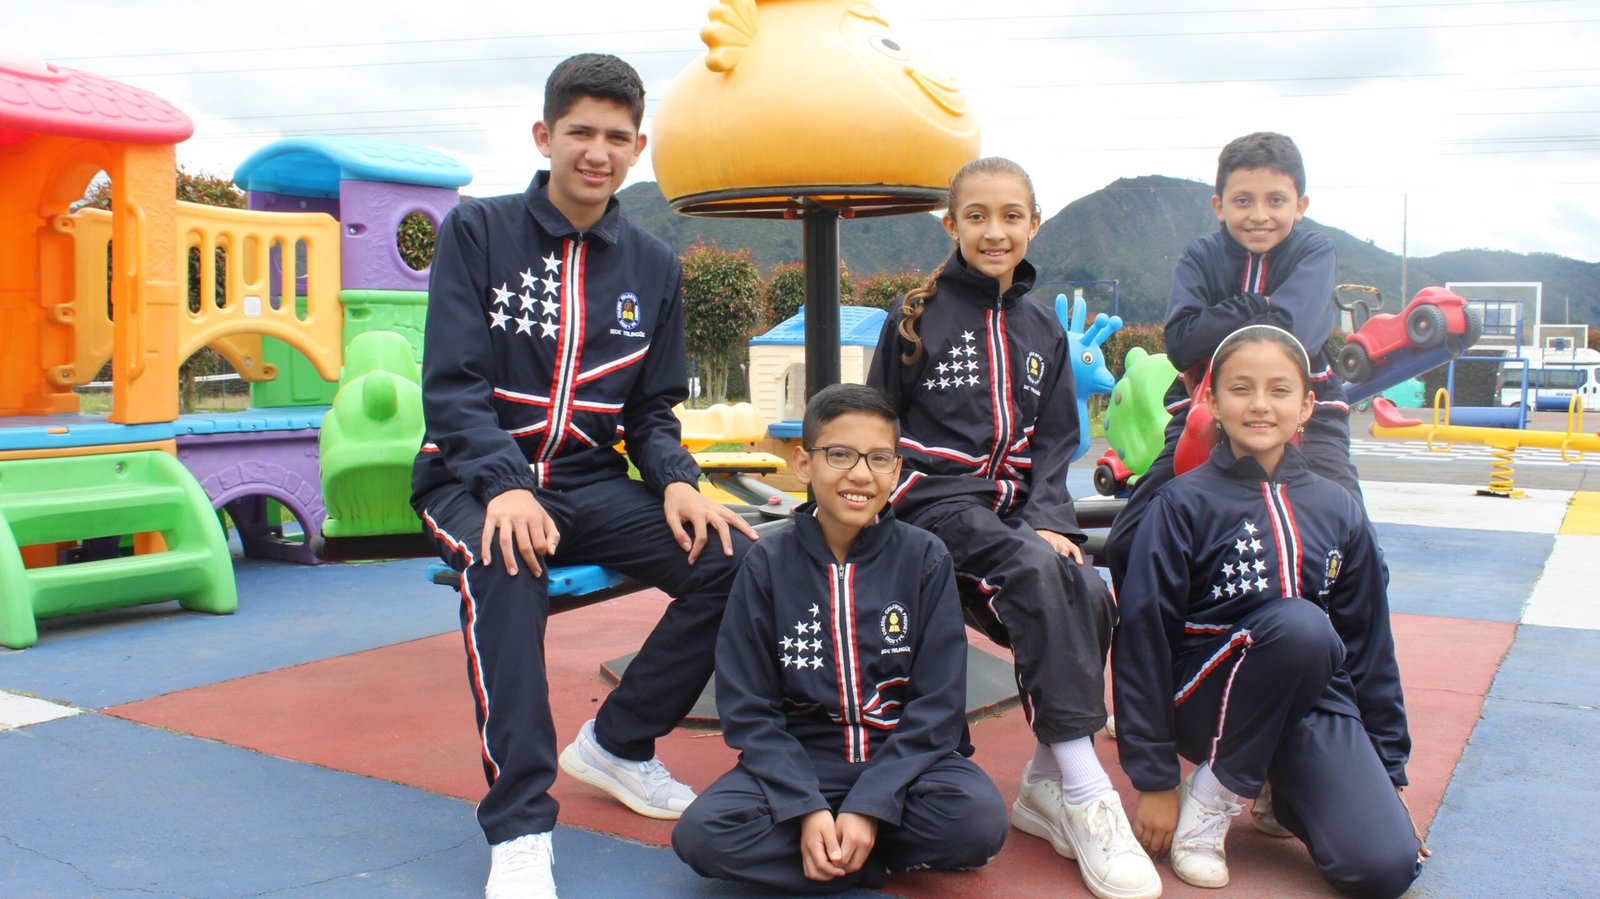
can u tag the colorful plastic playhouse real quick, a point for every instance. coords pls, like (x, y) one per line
(72, 486)
(278, 290)
(369, 187)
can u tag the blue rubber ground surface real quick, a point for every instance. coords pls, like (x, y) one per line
(92, 805)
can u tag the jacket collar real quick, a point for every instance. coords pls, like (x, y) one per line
(982, 289)
(551, 219)
(868, 543)
(1246, 468)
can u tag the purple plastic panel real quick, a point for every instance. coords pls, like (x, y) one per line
(266, 201)
(371, 212)
(239, 470)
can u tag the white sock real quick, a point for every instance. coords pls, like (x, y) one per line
(1044, 765)
(1209, 791)
(1082, 777)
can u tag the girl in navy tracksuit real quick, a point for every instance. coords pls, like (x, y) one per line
(982, 380)
(1255, 642)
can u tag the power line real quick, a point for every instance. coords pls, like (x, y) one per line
(613, 33)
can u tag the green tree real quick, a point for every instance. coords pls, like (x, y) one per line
(785, 292)
(1149, 337)
(885, 290)
(722, 308)
(209, 190)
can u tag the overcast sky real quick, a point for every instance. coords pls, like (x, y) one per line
(1482, 119)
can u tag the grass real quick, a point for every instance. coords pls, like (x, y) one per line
(99, 402)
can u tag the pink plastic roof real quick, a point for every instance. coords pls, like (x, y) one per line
(38, 98)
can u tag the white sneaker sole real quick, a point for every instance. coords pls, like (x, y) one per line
(572, 762)
(1032, 823)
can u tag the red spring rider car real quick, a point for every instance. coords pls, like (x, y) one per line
(1432, 315)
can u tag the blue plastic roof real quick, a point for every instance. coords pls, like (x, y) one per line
(858, 326)
(314, 166)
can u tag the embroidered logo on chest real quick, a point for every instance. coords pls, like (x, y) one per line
(1035, 370)
(894, 624)
(1331, 569)
(629, 316)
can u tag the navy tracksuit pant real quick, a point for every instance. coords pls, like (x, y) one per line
(616, 523)
(1254, 717)
(1054, 614)
(953, 817)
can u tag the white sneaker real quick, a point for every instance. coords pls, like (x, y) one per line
(520, 868)
(645, 787)
(1265, 820)
(1198, 856)
(1096, 834)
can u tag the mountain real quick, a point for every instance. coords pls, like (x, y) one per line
(1130, 231)
(867, 246)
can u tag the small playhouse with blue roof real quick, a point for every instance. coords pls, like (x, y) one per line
(778, 364)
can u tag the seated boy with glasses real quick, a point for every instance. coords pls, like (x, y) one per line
(841, 680)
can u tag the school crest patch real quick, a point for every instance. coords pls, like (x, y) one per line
(894, 624)
(1035, 369)
(628, 314)
(1331, 568)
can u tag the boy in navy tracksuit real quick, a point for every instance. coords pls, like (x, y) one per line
(1257, 268)
(555, 330)
(1255, 641)
(841, 680)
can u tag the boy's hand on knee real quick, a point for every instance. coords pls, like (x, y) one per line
(520, 526)
(1063, 546)
(819, 846)
(683, 504)
(1155, 818)
(857, 835)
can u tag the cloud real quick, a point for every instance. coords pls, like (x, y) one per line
(1479, 114)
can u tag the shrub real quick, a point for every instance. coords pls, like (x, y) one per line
(721, 309)
(885, 290)
(786, 291)
(1150, 337)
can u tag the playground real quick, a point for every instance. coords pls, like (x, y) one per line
(193, 704)
(314, 743)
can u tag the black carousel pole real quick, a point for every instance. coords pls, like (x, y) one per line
(822, 297)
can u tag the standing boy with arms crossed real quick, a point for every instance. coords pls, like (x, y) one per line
(555, 330)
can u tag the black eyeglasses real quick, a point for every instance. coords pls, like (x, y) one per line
(844, 458)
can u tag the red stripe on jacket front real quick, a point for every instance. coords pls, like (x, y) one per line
(847, 662)
(569, 350)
